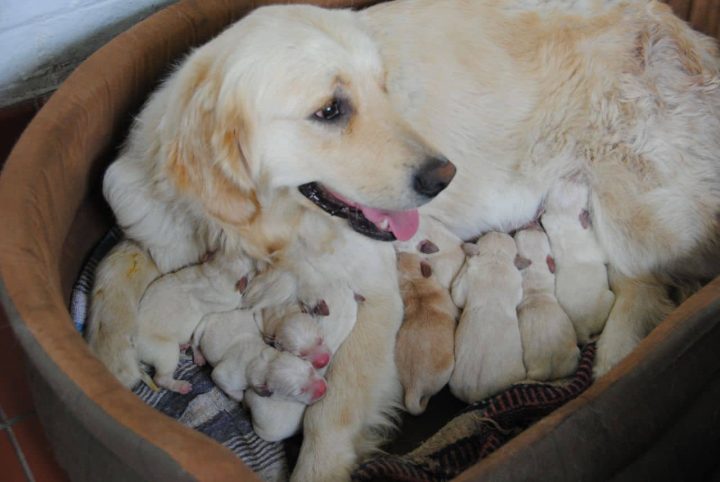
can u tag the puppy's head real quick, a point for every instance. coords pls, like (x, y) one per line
(300, 335)
(286, 377)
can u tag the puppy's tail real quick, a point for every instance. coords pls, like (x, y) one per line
(121, 280)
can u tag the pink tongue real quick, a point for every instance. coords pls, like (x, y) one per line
(403, 224)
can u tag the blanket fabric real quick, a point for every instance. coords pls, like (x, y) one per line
(472, 435)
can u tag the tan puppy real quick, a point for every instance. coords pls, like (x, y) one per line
(437, 245)
(549, 343)
(488, 349)
(581, 280)
(425, 341)
(173, 306)
(233, 345)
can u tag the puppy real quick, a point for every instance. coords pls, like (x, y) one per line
(426, 339)
(173, 306)
(291, 328)
(581, 280)
(488, 347)
(438, 246)
(233, 345)
(549, 343)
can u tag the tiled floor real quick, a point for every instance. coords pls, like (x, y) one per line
(25, 453)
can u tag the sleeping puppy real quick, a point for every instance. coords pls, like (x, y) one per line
(581, 280)
(173, 306)
(313, 325)
(233, 345)
(548, 339)
(488, 349)
(437, 245)
(426, 339)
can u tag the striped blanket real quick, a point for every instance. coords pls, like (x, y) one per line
(474, 433)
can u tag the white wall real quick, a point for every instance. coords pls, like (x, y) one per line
(42, 41)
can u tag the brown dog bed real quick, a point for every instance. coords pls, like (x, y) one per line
(653, 417)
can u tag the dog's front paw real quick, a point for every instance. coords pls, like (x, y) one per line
(611, 349)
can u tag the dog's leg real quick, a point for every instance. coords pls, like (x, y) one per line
(363, 389)
(121, 280)
(640, 304)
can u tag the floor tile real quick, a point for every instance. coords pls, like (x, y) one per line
(15, 398)
(38, 453)
(10, 467)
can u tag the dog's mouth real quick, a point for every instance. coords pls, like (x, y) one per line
(374, 223)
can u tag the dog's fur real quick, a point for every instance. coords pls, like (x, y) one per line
(424, 350)
(516, 93)
(488, 348)
(232, 343)
(549, 342)
(581, 280)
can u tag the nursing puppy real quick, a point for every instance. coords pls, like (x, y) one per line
(437, 245)
(233, 345)
(426, 339)
(581, 280)
(173, 305)
(548, 339)
(488, 349)
(346, 118)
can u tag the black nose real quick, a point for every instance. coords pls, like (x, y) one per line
(433, 176)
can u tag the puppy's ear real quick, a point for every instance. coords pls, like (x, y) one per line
(263, 390)
(202, 138)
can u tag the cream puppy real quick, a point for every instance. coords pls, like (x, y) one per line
(173, 306)
(488, 347)
(549, 343)
(233, 345)
(426, 339)
(312, 325)
(437, 245)
(581, 280)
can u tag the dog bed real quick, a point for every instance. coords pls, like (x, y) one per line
(654, 416)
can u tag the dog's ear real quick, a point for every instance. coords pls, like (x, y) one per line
(202, 137)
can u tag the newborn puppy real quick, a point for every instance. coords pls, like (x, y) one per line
(233, 345)
(173, 305)
(548, 338)
(581, 281)
(292, 329)
(435, 244)
(488, 347)
(426, 339)
(272, 419)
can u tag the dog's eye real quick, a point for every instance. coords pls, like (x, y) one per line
(331, 111)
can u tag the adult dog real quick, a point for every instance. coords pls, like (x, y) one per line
(361, 109)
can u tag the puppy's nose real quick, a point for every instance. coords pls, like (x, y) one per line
(433, 176)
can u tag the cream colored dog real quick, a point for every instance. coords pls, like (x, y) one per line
(548, 339)
(297, 113)
(581, 280)
(488, 348)
(424, 351)
(232, 343)
(173, 306)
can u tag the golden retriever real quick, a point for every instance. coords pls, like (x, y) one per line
(361, 110)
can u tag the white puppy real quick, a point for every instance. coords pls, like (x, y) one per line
(488, 348)
(293, 328)
(549, 344)
(581, 280)
(233, 345)
(173, 306)
(437, 245)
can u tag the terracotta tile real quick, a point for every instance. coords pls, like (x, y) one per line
(15, 398)
(10, 466)
(38, 453)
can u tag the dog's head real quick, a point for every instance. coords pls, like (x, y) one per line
(290, 103)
